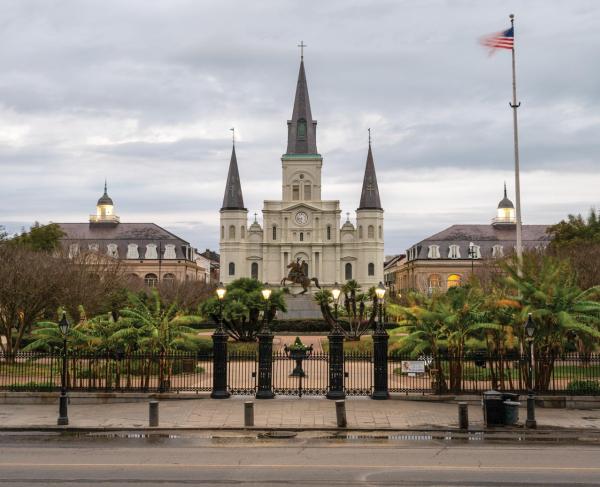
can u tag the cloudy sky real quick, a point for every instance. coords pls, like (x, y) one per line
(144, 93)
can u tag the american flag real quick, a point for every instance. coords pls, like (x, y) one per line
(500, 40)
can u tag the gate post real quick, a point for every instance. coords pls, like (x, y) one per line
(265, 365)
(336, 363)
(219, 389)
(380, 353)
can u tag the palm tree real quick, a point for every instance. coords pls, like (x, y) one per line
(547, 289)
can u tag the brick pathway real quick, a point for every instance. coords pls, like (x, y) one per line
(279, 413)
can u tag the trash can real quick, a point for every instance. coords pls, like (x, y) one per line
(511, 412)
(493, 408)
(510, 396)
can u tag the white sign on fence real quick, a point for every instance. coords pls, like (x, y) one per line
(412, 367)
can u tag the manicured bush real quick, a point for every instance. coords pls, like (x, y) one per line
(591, 387)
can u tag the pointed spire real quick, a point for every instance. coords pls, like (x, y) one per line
(369, 198)
(105, 187)
(233, 199)
(302, 137)
(105, 199)
(505, 190)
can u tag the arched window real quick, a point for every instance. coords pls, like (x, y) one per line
(232, 269)
(132, 251)
(231, 232)
(454, 252)
(434, 252)
(434, 282)
(305, 268)
(169, 278)
(254, 270)
(301, 128)
(307, 192)
(113, 250)
(301, 236)
(151, 280)
(371, 231)
(274, 232)
(454, 280)
(360, 232)
(348, 271)
(222, 231)
(243, 232)
(371, 269)
(170, 252)
(328, 232)
(295, 192)
(380, 232)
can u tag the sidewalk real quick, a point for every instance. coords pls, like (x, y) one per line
(306, 413)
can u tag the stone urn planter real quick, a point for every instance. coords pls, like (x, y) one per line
(298, 351)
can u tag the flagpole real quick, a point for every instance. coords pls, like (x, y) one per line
(514, 105)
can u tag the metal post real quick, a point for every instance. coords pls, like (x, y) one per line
(340, 414)
(219, 337)
(248, 414)
(380, 358)
(63, 416)
(265, 365)
(531, 422)
(153, 414)
(463, 415)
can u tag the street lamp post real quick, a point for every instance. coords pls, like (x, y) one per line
(265, 351)
(380, 350)
(530, 331)
(220, 352)
(471, 252)
(63, 414)
(336, 352)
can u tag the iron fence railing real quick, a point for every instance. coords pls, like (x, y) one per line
(571, 374)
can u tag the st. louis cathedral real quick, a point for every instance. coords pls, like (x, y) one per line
(301, 227)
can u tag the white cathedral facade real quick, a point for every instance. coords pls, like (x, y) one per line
(302, 227)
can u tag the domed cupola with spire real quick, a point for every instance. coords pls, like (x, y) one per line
(104, 210)
(505, 217)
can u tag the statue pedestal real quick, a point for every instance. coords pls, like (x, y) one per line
(300, 307)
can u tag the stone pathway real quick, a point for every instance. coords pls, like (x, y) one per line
(279, 413)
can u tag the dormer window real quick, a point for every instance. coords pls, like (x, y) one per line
(112, 250)
(474, 251)
(132, 251)
(170, 252)
(434, 252)
(454, 252)
(151, 252)
(497, 251)
(301, 129)
(73, 250)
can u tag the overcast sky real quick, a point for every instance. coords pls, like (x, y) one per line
(144, 93)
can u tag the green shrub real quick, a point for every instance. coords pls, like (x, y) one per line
(33, 386)
(591, 387)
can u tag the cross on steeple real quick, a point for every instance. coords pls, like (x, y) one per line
(302, 46)
(232, 134)
(232, 190)
(369, 130)
(255, 217)
(347, 216)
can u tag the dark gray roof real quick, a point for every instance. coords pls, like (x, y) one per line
(485, 236)
(211, 255)
(505, 202)
(233, 199)
(105, 199)
(369, 198)
(302, 142)
(122, 234)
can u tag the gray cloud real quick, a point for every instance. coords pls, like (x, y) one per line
(144, 93)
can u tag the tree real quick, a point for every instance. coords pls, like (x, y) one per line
(243, 307)
(546, 288)
(360, 317)
(576, 230)
(40, 237)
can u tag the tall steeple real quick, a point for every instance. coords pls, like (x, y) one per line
(302, 129)
(369, 198)
(233, 199)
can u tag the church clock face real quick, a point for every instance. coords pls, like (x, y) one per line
(301, 218)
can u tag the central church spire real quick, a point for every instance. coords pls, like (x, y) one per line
(302, 129)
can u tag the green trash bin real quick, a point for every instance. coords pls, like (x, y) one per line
(511, 412)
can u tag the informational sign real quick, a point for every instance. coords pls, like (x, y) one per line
(413, 367)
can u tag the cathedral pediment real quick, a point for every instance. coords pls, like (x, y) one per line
(298, 206)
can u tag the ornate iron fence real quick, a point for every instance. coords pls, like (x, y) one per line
(189, 372)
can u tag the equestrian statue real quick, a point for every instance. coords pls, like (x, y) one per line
(296, 275)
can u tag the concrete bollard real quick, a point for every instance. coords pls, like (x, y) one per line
(153, 413)
(248, 413)
(340, 413)
(463, 415)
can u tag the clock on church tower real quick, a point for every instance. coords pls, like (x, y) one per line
(301, 218)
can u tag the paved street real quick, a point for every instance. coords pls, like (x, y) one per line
(279, 413)
(309, 460)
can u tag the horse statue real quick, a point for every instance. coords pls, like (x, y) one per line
(297, 276)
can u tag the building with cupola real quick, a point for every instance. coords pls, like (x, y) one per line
(146, 251)
(448, 258)
(301, 226)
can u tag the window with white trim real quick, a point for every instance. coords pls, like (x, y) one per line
(132, 251)
(497, 251)
(454, 252)
(434, 252)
